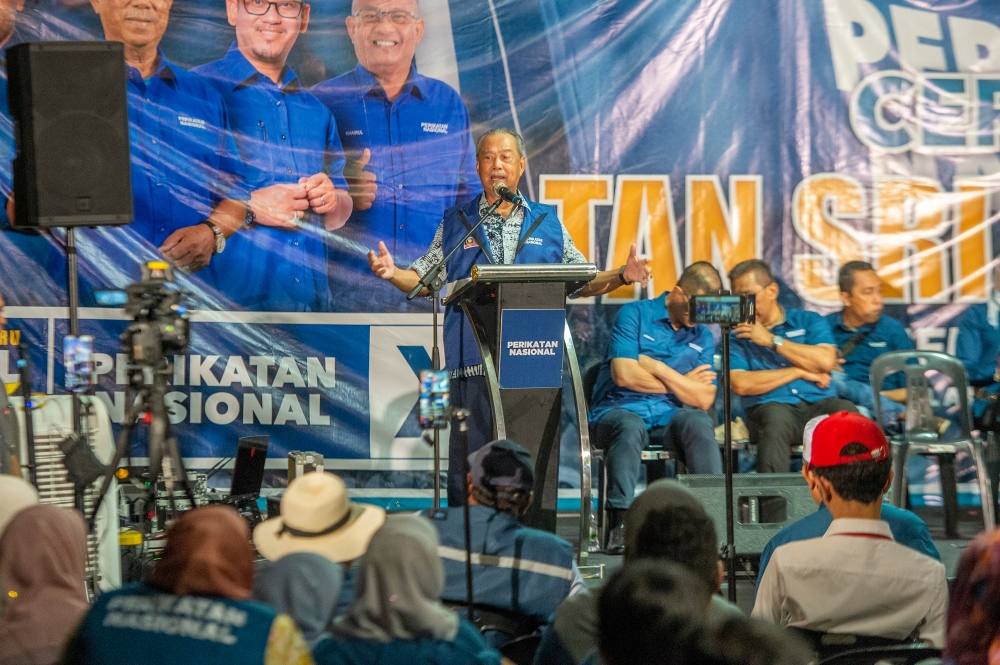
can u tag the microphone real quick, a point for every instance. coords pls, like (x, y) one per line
(504, 192)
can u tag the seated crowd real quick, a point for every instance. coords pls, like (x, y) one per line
(340, 582)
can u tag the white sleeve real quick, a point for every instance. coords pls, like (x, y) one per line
(933, 628)
(577, 585)
(768, 603)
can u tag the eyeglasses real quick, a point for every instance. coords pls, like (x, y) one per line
(285, 9)
(397, 16)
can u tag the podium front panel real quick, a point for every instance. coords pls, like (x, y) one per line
(526, 387)
(531, 348)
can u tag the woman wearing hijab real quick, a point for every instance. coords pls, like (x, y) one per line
(397, 616)
(195, 608)
(305, 586)
(973, 635)
(43, 561)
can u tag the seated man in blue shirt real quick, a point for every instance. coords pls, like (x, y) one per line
(187, 187)
(293, 158)
(862, 334)
(409, 141)
(514, 567)
(907, 528)
(781, 367)
(658, 363)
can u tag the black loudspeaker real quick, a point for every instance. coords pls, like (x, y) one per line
(70, 110)
(763, 504)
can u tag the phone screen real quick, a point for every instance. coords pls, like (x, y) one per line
(434, 399)
(78, 356)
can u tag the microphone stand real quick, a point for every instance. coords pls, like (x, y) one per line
(433, 281)
(728, 469)
(24, 367)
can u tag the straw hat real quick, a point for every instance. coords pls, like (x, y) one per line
(316, 516)
(15, 496)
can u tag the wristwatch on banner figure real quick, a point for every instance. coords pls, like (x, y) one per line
(777, 341)
(220, 240)
(250, 219)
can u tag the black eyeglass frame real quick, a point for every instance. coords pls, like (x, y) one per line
(276, 5)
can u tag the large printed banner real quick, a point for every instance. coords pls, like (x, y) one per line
(806, 132)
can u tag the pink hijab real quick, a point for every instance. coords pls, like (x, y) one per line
(43, 559)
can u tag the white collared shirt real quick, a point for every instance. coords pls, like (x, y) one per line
(855, 579)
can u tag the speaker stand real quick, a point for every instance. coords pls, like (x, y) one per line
(73, 293)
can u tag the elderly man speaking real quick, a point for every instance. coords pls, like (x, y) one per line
(500, 158)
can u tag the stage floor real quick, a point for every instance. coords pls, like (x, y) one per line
(970, 524)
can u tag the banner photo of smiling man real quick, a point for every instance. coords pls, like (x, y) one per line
(294, 162)
(187, 179)
(409, 142)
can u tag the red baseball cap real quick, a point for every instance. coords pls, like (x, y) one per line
(825, 436)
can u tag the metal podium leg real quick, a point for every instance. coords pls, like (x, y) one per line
(492, 381)
(583, 430)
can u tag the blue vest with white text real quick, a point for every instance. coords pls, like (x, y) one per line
(514, 567)
(140, 624)
(545, 245)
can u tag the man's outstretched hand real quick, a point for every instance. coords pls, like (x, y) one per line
(636, 269)
(381, 263)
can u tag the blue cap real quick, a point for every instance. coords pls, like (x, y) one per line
(502, 469)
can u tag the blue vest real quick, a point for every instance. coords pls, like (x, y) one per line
(514, 567)
(544, 246)
(139, 624)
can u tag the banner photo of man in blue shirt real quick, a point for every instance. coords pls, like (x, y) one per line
(293, 159)
(409, 143)
(187, 179)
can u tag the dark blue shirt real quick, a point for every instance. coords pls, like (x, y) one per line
(886, 334)
(283, 133)
(643, 327)
(184, 159)
(799, 326)
(907, 529)
(424, 163)
(468, 648)
(978, 342)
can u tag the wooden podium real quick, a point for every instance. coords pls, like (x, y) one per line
(518, 315)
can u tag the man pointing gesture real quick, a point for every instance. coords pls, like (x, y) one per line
(504, 235)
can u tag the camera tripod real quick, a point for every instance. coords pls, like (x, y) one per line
(164, 456)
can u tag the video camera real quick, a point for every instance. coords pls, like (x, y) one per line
(161, 323)
(724, 309)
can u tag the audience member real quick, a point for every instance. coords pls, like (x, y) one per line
(746, 641)
(318, 517)
(514, 567)
(43, 561)
(304, 586)
(973, 617)
(15, 496)
(195, 607)
(855, 579)
(665, 522)
(397, 616)
(654, 386)
(907, 529)
(862, 334)
(649, 613)
(781, 367)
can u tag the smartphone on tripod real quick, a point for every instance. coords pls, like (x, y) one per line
(78, 358)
